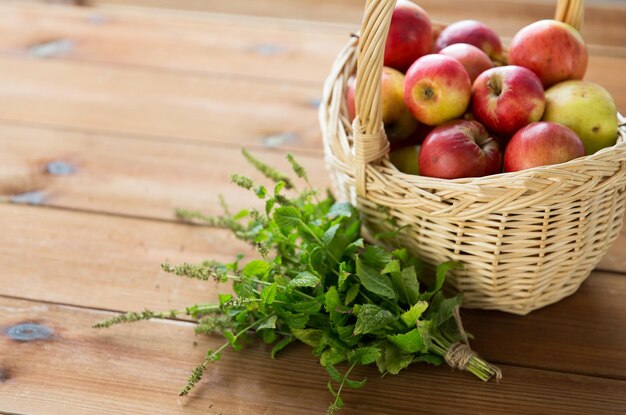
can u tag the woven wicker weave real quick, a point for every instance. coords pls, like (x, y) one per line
(527, 239)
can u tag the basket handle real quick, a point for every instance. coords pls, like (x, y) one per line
(370, 141)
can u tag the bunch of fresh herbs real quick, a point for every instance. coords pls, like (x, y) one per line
(318, 282)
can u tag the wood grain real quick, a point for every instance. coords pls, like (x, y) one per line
(118, 269)
(212, 45)
(242, 46)
(124, 176)
(121, 175)
(160, 105)
(142, 366)
(603, 21)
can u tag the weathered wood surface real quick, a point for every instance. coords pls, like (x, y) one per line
(138, 369)
(112, 116)
(118, 269)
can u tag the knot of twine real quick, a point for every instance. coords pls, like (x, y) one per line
(368, 148)
(460, 353)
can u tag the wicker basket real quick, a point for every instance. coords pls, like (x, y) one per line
(527, 239)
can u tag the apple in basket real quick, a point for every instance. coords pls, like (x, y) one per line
(474, 60)
(459, 148)
(474, 33)
(399, 123)
(437, 89)
(410, 35)
(540, 144)
(554, 50)
(406, 159)
(586, 108)
(507, 98)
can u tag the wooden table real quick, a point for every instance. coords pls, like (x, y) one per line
(113, 115)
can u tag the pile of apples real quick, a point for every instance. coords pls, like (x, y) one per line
(452, 108)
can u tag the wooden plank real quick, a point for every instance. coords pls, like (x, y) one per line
(115, 174)
(138, 369)
(125, 176)
(117, 269)
(213, 44)
(159, 104)
(105, 262)
(603, 20)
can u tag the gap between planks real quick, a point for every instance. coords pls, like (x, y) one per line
(142, 365)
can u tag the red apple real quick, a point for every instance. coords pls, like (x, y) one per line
(410, 35)
(398, 120)
(350, 91)
(459, 148)
(554, 50)
(507, 98)
(474, 33)
(540, 144)
(437, 88)
(474, 60)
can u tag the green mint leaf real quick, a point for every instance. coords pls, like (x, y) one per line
(415, 312)
(333, 305)
(268, 295)
(310, 337)
(375, 256)
(279, 187)
(392, 359)
(257, 269)
(317, 261)
(224, 298)
(296, 321)
(406, 285)
(281, 345)
(334, 373)
(372, 319)
(402, 254)
(373, 281)
(268, 336)
(332, 356)
(392, 266)
(232, 340)
(365, 355)
(304, 279)
(355, 384)
(270, 323)
(440, 276)
(287, 218)
(353, 248)
(330, 233)
(351, 294)
(341, 209)
(410, 342)
(269, 204)
(261, 192)
(343, 275)
(306, 307)
(429, 358)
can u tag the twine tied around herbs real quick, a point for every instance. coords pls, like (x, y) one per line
(460, 353)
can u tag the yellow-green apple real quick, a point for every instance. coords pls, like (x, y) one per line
(473, 32)
(474, 60)
(399, 122)
(554, 50)
(507, 98)
(459, 148)
(540, 144)
(410, 35)
(437, 88)
(586, 108)
(406, 159)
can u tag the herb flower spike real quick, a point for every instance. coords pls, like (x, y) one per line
(320, 283)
